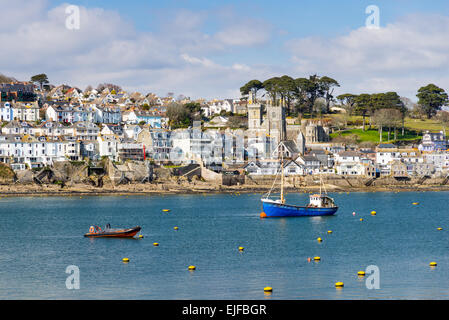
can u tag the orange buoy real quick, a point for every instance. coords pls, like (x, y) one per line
(263, 215)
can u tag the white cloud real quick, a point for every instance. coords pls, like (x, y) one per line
(401, 56)
(178, 57)
(250, 33)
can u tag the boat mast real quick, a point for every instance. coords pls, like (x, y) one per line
(321, 183)
(282, 177)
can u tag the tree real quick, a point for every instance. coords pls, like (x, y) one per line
(287, 89)
(252, 87)
(347, 101)
(41, 79)
(394, 121)
(194, 108)
(272, 87)
(178, 115)
(381, 117)
(363, 105)
(306, 92)
(110, 86)
(326, 88)
(443, 118)
(431, 99)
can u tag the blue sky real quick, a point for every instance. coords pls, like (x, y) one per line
(210, 48)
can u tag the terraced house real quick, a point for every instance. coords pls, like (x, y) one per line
(23, 111)
(37, 151)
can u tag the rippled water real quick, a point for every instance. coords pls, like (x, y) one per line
(41, 236)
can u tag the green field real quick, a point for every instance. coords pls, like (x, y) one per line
(414, 128)
(410, 124)
(373, 135)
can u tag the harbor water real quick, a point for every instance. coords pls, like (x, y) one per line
(41, 236)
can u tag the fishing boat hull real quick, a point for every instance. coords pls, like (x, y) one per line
(273, 209)
(116, 233)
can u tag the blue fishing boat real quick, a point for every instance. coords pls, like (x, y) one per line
(319, 205)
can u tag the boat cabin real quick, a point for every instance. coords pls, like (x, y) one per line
(321, 201)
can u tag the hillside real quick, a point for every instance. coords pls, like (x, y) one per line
(6, 79)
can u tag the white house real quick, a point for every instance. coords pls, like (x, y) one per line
(217, 106)
(107, 146)
(107, 114)
(37, 151)
(60, 113)
(23, 111)
(6, 111)
(18, 127)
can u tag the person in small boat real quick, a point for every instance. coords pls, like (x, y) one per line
(108, 226)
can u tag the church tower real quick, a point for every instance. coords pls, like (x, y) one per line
(275, 121)
(254, 114)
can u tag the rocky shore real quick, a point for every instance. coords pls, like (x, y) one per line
(170, 189)
(75, 179)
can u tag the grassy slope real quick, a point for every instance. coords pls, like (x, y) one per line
(414, 129)
(373, 135)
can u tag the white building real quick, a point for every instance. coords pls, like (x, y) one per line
(107, 146)
(37, 151)
(23, 111)
(107, 114)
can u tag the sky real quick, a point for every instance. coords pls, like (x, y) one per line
(209, 49)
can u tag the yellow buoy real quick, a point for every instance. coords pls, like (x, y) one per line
(166, 210)
(361, 219)
(125, 259)
(329, 231)
(176, 228)
(433, 264)
(319, 239)
(192, 268)
(339, 284)
(241, 248)
(140, 236)
(361, 273)
(439, 228)
(155, 244)
(268, 289)
(317, 258)
(373, 213)
(415, 203)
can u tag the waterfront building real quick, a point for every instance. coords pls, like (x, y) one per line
(37, 151)
(159, 146)
(312, 164)
(107, 146)
(128, 149)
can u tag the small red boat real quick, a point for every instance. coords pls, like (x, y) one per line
(97, 232)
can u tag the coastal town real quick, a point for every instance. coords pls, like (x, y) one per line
(132, 137)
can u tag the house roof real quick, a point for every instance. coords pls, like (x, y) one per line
(386, 146)
(291, 146)
(349, 154)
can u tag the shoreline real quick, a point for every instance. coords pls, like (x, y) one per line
(148, 190)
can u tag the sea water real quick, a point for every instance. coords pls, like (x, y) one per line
(40, 237)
